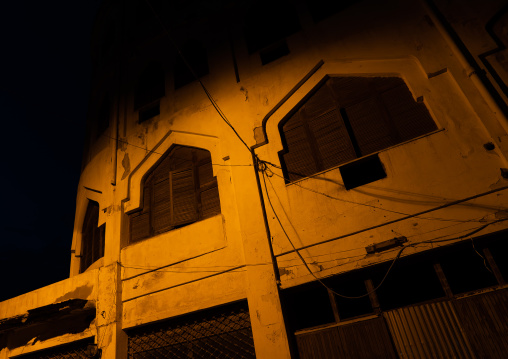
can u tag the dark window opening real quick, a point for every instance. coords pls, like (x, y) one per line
(268, 23)
(351, 285)
(92, 237)
(412, 280)
(322, 9)
(346, 118)
(195, 56)
(464, 269)
(499, 251)
(149, 112)
(307, 306)
(150, 88)
(274, 52)
(363, 171)
(178, 191)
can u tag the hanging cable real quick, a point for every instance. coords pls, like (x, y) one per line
(399, 253)
(208, 94)
(364, 204)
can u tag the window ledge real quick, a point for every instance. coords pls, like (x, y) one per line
(296, 183)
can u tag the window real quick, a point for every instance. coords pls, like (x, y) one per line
(180, 190)
(346, 118)
(77, 350)
(195, 56)
(92, 239)
(220, 332)
(149, 90)
(267, 24)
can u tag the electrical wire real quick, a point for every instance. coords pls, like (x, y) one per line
(307, 266)
(208, 94)
(399, 253)
(364, 204)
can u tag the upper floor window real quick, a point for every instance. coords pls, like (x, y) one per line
(348, 118)
(267, 25)
(149, 90)
(195, 56)
(179, 190)
(92, 237)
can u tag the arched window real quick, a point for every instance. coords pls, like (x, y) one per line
(92, 237)
(179, 190)
(149, 90)
(347, 118)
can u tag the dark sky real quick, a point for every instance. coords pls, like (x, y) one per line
(44, 90)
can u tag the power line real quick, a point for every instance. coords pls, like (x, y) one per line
(364, 204)
(208, 94)
(399, 253)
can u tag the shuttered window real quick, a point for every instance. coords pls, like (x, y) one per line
(180, 190)
(92, 237)
(348, 118)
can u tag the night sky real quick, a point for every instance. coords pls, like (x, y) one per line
(44, 91)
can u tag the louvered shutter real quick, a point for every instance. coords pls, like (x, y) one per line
(298, 157)
(161, 211)
(184, 197)
(370, 127)
(209, 192)
(350, 117)
(92, 245)
(411, 119)
(140, 221)
(332, 139)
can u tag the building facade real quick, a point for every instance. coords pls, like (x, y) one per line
(286, 180)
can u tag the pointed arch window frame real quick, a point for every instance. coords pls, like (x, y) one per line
(175, 194)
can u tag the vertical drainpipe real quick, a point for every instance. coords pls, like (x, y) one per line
(473, 70)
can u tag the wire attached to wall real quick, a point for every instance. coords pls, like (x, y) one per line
(359, 203)
(399, 253)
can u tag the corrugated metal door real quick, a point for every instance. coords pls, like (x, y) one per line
(485, 320)
(428, 331)
(361, 340)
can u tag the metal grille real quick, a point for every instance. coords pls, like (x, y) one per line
(75, 350)
(223, 332)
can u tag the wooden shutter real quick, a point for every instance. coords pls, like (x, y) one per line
(370, 126)
(298, 157)
(411, 119)
(184, 197)
(181, 189)
(140, 221)
(332, 139)
(161, 211)
(209, 192)
(92, 244)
